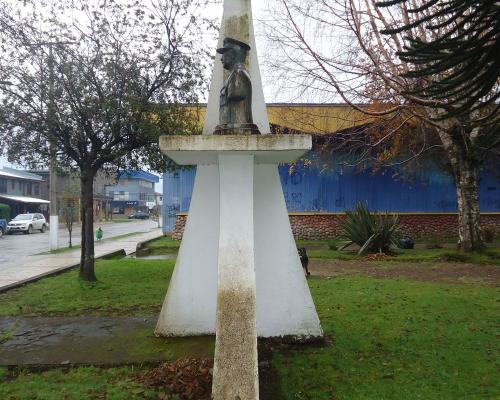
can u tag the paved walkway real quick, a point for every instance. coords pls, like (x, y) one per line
(15, 249)
(35, 267)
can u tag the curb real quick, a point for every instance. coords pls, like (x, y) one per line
(140, 245)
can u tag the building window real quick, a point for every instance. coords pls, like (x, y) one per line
(145, 184)
(37, 189)
(3, 186)
(29, 189)
(121, 196)
(13, 184)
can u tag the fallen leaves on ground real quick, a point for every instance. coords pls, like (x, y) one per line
(189, 379)
(375, 257)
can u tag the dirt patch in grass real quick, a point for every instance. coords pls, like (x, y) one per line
(423, 271)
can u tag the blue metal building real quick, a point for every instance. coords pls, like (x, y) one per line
(133, 191)
(307, 189)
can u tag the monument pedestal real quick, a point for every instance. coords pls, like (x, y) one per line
(238, 273)
(235, 363)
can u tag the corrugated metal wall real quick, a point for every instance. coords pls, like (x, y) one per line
(308, 189)
(177, 190)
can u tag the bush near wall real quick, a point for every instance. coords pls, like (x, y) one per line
(4, 211)
(420, 226)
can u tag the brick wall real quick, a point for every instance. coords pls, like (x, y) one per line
(322, 226)
(180, 223)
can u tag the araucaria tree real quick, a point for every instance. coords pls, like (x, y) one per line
(360, 53)
(100, 81)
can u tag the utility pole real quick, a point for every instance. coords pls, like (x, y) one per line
(51, 122)
(54, 215)
(158, 209)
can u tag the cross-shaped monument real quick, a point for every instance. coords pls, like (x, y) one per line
(238, 273)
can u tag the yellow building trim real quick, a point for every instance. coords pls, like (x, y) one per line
(307, 118)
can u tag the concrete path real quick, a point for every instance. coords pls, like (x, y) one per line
(35, 267)
(92, 340)
(15, 248)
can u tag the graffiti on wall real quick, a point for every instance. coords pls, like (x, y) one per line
(306, 189)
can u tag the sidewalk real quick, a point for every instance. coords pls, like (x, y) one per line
(36, 267)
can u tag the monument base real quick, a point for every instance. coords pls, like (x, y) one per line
(235, 373)
(284, 303)
(240, 129)
(53, 232)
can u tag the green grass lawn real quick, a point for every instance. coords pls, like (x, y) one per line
(392, 338)
(486, 257)
(489, 256)
(77, 383)
(398, 339)
(124, 287)
(162, 245)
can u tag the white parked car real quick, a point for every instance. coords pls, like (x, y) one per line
(27, 223)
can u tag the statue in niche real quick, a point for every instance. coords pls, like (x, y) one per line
(235, 110)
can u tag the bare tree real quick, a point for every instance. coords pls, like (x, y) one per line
(113, 79)
(68, 207)
(335, 50)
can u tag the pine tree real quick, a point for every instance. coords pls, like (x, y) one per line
(459, 69)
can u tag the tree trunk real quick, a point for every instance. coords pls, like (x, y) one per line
(465, 172)
(70, 231)
(87, 210)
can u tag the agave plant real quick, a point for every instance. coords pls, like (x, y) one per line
(373, 232)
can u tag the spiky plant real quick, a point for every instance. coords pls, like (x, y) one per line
(373, 232)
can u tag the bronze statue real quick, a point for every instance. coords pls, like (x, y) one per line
(235, 111)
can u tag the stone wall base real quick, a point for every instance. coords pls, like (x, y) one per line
(326, 226)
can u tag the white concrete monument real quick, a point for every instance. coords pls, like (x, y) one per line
(238, 273)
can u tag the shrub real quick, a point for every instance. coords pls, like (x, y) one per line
(488, 235)
(435, 241)
(4, 211)
(371, 231)
(332, 245)
(455, 257)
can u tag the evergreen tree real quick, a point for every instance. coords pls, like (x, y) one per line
(460, 67)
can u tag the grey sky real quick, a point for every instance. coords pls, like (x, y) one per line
(215, 11)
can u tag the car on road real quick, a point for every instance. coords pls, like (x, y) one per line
(3, 226)
(27, 223)
(139, 215)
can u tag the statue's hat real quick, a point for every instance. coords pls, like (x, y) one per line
(230, 43)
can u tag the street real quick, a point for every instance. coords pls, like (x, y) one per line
(14, 249)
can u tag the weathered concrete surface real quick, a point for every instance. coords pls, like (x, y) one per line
(189, 306)
(92, 340)
(236, 359)
(284, 303)
(204, 150)
(54, 233)
(235, 362)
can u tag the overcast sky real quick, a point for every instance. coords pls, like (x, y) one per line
(215, 11)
